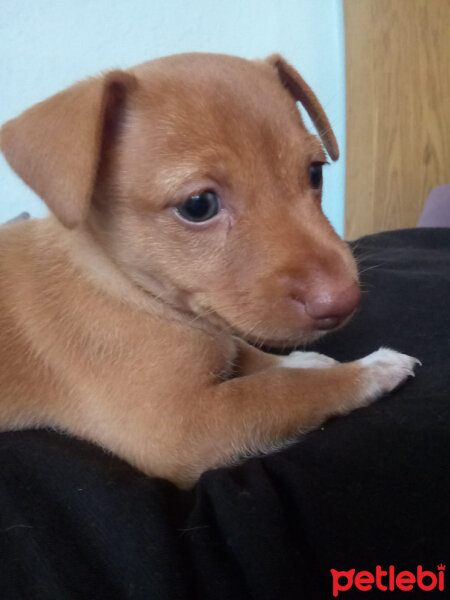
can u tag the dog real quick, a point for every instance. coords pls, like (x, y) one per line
(186, 230)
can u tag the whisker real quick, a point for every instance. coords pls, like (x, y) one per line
(371, 268)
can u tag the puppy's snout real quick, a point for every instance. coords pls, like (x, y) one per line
(327, 304)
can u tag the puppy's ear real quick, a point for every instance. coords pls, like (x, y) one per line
(55, 146)
(301, 91)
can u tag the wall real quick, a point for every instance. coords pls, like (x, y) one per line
(46, 45)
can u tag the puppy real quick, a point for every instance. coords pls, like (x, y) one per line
(186, 223)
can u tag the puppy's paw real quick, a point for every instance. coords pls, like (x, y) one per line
(384, 370)
(307, 360)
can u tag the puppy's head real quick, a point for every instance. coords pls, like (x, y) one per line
(200, 179)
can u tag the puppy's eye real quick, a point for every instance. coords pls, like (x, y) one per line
(315, 175)
(199, 208)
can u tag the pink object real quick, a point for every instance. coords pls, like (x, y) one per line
(436, 212)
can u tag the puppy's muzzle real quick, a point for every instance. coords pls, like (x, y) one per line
(329, 304)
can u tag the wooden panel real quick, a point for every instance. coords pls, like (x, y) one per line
(398, 110)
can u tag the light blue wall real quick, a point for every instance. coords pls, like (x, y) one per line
(45, 45)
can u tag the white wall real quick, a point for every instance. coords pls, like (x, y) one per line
(45, 45)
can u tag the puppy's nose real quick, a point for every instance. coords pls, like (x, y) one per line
(327, 303)
(329, 308)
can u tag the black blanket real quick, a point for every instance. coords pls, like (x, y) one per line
(372, 488)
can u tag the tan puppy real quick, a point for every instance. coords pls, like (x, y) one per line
(187, 194)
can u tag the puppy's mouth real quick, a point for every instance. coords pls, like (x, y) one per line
(293, 339)
(275, 336)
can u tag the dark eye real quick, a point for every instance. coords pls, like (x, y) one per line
(315, 175)
(199, 208)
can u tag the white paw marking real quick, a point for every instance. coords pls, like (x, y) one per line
(307, 360)
(384, 370)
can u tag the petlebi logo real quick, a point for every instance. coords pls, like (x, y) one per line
(388, 580)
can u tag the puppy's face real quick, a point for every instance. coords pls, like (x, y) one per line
(209, 196)
(218, 202)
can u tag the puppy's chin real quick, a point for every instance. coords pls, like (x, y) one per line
(273, 337)
(291, 339)
(274, 341)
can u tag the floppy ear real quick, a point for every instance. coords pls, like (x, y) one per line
(55, 146)
(301, 91)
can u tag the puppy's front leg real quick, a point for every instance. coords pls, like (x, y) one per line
(252, 412)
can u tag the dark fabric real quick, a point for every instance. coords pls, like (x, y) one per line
(369, 489)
